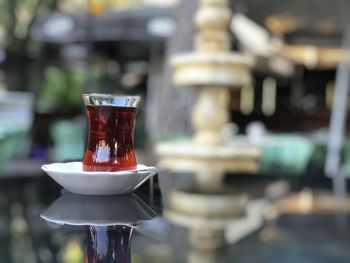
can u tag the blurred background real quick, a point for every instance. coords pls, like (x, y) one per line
(53, 51)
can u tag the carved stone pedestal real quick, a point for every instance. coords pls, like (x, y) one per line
(209, 163)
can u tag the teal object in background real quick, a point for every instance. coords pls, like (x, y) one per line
(10, 141)
(16, 117)
(286, 153)
(320, 154)
(69, 140)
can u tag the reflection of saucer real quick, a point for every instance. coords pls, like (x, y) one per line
(73, 209)
(72, 177)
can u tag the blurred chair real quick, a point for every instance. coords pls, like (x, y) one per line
(68, 137)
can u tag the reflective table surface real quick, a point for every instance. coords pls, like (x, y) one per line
(40, 222)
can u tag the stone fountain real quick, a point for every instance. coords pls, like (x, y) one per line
(213, 70)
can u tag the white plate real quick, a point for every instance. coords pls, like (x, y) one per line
(78, 210)
(72, 177)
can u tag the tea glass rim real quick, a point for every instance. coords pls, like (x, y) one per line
(115, 100)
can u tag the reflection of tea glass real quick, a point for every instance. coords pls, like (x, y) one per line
(110, 220)
(110, 144)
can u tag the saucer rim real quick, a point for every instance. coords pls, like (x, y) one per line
(143, 169)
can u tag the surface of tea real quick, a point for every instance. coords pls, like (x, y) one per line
(110, 143)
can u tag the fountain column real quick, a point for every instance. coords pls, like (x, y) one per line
(213, 70)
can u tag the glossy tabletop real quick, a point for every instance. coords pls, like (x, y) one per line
(40, 222)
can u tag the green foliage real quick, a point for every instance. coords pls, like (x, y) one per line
(16, 19)
(61, 90)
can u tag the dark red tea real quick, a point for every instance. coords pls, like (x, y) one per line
(110, 143)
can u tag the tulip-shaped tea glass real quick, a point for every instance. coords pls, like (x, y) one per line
(110, 144)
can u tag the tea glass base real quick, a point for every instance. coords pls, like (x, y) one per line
(95, 168)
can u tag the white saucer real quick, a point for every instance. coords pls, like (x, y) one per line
(72, 177)
(80, 210)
